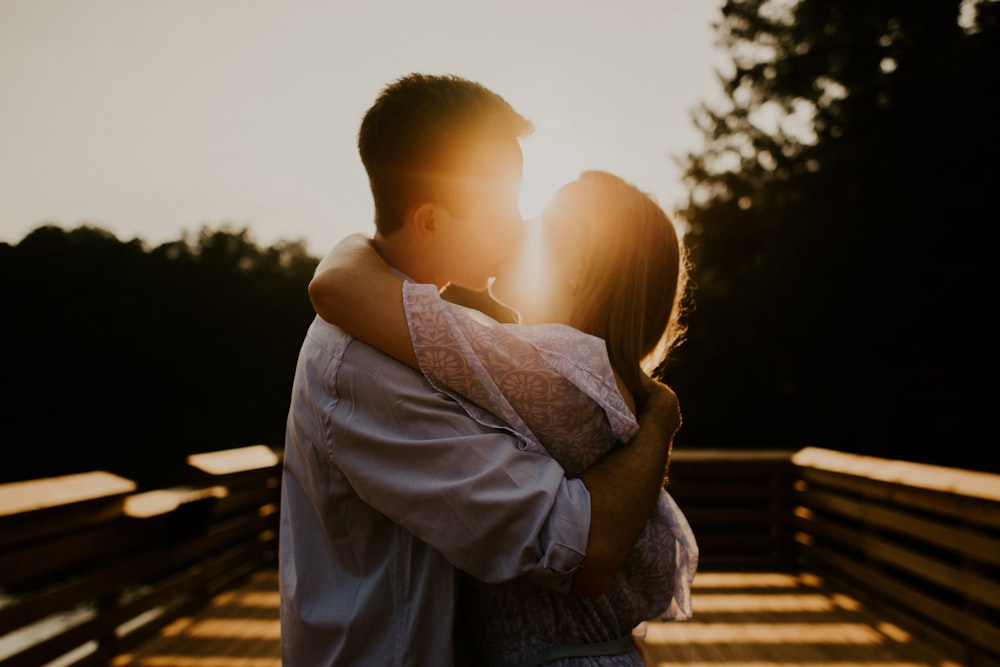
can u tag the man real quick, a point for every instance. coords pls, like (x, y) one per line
(390, 488)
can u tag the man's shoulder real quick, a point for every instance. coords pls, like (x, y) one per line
(363, 360)
(355, 371)
(352, 355)
(324, 336)
(330, 341)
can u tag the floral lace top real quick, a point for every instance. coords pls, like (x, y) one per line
(553, 387)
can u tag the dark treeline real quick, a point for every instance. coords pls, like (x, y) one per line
(841, 263)
(125, 358)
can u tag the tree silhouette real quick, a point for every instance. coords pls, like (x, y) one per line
(835, 229)
(127, 359)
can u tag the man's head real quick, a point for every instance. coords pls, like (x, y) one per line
(447, 149)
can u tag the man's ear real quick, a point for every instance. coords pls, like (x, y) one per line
(425, 219)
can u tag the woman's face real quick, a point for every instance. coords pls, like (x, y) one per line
(539, 282)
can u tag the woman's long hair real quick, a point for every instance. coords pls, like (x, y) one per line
(634, 275)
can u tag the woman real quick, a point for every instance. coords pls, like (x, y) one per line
(597, 294)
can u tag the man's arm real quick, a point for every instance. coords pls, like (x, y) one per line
(624, 487)
(495, 510)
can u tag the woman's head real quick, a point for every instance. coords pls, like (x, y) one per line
(609, 263)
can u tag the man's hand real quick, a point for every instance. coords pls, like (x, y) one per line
(661, 403)
(624, 487)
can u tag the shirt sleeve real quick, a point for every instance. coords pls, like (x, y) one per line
(469, 488)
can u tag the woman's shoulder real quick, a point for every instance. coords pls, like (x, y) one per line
(583, 359)
(560, 338)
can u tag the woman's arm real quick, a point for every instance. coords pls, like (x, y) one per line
(354, 289)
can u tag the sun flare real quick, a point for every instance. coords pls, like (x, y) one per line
(521, 283)
(548, 165)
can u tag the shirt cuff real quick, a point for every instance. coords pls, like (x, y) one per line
(564, 540)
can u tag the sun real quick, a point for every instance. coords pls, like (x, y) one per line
(548, 165)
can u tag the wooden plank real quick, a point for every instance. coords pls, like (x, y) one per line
(928, 613)
(165, 501)
(206, 637)
(973, 511)
(230, 465)
(903, 473)
(711, 491)
(960, 539)
(782, 619)
(868, 549)
(970, 585)
(711, 457)
(39, 494)
(75, 549)
(218, 537)
(888, 590)
(178, 589)
(58, 597)
(730, 516)
(198, 583)
(723, 561)
(250, 536)
(967, 505)
(34, 509)
(244, 498)
(721, 541)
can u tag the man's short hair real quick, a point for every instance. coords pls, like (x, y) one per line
(415, 131)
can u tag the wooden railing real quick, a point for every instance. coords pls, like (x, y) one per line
(739, 505)
(89, 568)
(920, 542)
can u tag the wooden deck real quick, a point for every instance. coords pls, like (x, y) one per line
(238, 628)
(781, 620)
(741, 619)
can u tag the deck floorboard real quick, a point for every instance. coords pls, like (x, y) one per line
(783, 620)
(740, 620)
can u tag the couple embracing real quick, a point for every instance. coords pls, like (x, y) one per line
(463, 491)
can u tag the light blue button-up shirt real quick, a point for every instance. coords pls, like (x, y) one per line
(389, 489)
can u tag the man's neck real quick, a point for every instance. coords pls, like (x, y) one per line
(398, 252)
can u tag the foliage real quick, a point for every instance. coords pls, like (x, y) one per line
(836, 215)
(127, 359)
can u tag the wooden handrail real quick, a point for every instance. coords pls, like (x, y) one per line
(117, 565)
(920, 542)
(739, 504)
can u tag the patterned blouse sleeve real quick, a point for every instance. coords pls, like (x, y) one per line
(523, 375)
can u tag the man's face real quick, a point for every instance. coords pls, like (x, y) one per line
(483, 227)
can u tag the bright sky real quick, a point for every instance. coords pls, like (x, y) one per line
(150, 117)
